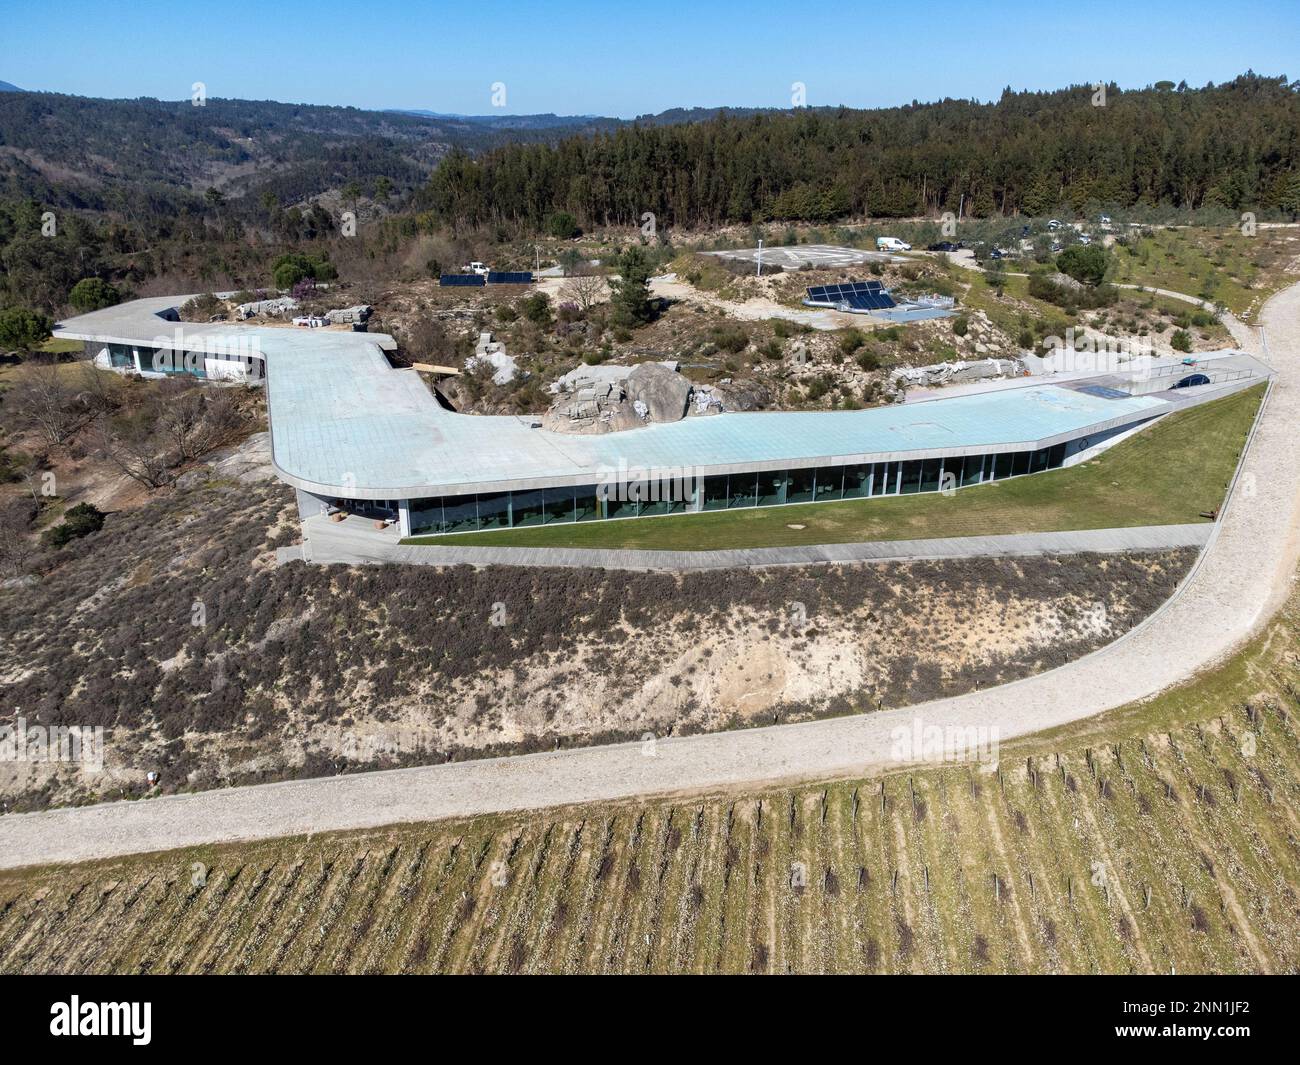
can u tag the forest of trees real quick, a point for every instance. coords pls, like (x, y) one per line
(1235, 145)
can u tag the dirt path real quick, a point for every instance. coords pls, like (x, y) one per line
(1244, 575)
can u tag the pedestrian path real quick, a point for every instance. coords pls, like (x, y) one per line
(327, 543)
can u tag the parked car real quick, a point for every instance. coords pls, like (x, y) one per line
(1104, 220)
(946, 245)
(892, 244)
(1055, 223)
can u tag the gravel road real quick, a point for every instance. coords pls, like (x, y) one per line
(1243, 577)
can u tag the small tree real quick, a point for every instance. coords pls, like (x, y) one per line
(586, 290)
(92, 294)
(537, 308)
(1087, 263)
(563, 226)
(632, 289)
(23, 329)
(44, 402)
(1181, 340)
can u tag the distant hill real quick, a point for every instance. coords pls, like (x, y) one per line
(6, 86)
(148, 156)
(567, 123)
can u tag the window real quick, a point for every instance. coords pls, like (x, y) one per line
(1021, 466)
(494, 510)
(529, 508)
(857, 481)
(559, 505)
(830, 482)
(715, 493)
(972, 467)
(426, 515)
(930, 474)
(459, 514)
(772, 488)
(743, 489)
(886, 479)
(586, 505)
(622, 508)
(1002, 465)
(911, 482)
(801, 487)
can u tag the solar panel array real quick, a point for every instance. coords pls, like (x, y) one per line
(856, 295)
(461, 279)
(507, 277)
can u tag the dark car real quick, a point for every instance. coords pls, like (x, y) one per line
(945, 245)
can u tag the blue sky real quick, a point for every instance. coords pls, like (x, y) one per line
(624, 59)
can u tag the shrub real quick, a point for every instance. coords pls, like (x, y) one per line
(851, 339)
(1086, 263)
(869, 359)
(730, 338)
(1181, 340)
(22, 328)
(563, 226)
(537, 308)
(960, 325)
(201, 308)
(79, 521)
(92, 294)
(293, 267)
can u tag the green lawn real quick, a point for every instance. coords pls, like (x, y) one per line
(1165, 475)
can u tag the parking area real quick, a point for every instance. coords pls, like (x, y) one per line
(793, 256)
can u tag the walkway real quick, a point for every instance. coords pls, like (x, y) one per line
(355, 542)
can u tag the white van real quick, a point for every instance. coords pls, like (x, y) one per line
(892, 244)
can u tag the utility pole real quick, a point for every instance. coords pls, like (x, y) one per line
(760, 259)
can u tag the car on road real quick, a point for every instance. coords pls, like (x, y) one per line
(946, 245)
(892, 244)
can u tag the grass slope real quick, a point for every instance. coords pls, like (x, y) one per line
(1166, 475)
(1161, 837)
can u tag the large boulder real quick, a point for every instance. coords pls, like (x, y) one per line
(664, 392)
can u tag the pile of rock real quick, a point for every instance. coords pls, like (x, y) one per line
(489, 352)
(275, 308)
(949, 373)
(603, 398)
(349, 315)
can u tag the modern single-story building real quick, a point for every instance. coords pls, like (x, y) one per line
(351, 431)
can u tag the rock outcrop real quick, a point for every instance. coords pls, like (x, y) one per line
(664, 392)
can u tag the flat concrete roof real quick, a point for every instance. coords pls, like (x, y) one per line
(346, 423)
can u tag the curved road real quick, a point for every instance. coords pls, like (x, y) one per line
(1242, 578)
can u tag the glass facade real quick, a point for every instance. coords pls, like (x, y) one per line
(155, 360)
(773, 488)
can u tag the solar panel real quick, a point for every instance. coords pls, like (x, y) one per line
(507, 277)
(461, 279)
(846, 291)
